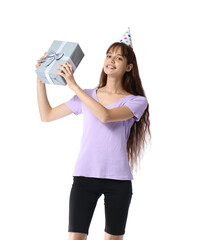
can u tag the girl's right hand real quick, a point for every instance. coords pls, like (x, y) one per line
(38, 63)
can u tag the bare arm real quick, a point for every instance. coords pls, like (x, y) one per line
(103, 114)
(43, 103)
(95, 107)
(48, 113)
(118, 114)
(135, 108)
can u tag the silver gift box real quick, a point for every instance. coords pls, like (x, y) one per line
(59, 52)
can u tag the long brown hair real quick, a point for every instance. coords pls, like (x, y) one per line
(132, 83)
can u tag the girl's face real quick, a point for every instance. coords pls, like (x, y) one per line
(115, 64)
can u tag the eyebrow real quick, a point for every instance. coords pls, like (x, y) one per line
(116, 54)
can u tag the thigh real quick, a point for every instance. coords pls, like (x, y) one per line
(82, 202)
(117, 200)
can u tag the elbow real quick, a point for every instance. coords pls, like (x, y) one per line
(44, 119)
(103, 120)
(105, 117)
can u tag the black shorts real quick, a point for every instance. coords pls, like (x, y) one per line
(84, 194)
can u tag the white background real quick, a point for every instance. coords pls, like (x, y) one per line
(37, 158)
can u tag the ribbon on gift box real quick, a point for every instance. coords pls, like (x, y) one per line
(51, 57)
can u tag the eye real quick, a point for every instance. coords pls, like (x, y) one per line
(107, 56)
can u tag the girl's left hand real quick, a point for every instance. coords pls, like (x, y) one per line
(67, 74)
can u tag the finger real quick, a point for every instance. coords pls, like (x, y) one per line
(66, 67)
(62, 69)
(69, 65)
(60, 73)
(69, 68)
(42, 57)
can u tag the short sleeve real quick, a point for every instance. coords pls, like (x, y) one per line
(75, 105)
(137, 105)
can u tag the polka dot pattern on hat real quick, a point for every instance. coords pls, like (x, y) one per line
(126, 38)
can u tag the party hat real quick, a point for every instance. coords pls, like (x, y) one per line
(126, 38)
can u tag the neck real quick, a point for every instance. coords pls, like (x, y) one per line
(114, 85)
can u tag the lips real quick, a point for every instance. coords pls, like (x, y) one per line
(109, 66)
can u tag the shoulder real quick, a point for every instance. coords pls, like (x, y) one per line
(137, 99)
(89, 91)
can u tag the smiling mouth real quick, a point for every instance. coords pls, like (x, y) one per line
(109, 67)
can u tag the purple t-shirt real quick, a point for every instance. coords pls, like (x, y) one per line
(103, 148)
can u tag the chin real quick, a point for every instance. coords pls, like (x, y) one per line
(109, 72)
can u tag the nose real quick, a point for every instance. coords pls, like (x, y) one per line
(112, 60)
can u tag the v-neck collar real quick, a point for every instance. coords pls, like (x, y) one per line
(95, 91)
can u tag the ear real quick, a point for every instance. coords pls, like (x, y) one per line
(129, 67)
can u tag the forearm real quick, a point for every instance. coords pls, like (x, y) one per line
(95, 107)
(43, 103)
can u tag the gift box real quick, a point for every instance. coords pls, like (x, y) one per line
(59, 52)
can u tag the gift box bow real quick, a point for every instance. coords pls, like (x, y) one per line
(50, 57)
(54, 55)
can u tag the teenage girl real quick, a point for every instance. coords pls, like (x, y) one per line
(116, 120)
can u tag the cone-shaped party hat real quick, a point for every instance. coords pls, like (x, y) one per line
(126, 38)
